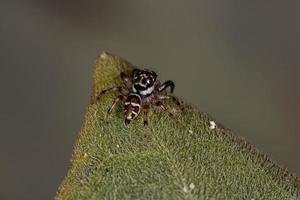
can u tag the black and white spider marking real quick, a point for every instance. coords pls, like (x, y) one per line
(141, 90)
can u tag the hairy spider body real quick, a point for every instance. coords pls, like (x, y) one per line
(141, 90)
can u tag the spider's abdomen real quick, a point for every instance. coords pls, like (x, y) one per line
(143, 82)
(132, 107)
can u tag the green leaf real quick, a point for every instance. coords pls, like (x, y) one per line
(184, 157)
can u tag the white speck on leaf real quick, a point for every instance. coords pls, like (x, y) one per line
(212, 125)
(118, 146)
(192, 186)
(85, 155)
(190, 131)
(185, 189)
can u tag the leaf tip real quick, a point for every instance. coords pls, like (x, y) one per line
(104, 55)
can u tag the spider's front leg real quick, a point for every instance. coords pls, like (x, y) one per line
(107, 91)
(126, 80)
(120, 89)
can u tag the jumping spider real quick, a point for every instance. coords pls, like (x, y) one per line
(141, 90)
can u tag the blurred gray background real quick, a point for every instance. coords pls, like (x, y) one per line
(237, 60)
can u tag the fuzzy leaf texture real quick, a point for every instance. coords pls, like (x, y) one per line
(181, 158)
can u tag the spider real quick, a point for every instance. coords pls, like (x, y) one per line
(141, 90)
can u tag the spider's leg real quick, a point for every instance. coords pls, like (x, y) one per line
(119, 98)
(172, 97)
(165, 85)
(126, 80)
(146, 111)
(106, 91)
(160, 104)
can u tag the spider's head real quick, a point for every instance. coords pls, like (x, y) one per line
(143, 81)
